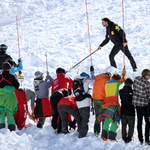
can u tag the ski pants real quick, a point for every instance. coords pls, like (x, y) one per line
(54, 102)
(97, 107)
(130, 121)
(10, 118)
(115, 50)
(63, 110)
(85, 115)
(113, 127)
(142, 112)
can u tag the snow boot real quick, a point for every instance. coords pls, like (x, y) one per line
(112, 135)
(2, 125)
(11, 127)
(39, 125)
(104, 134)
(96, 129)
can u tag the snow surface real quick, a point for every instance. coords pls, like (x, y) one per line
(59, 27)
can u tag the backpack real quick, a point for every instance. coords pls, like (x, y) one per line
(78, 89)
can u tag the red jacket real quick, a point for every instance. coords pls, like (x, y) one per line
(61, 82)
(69, 100)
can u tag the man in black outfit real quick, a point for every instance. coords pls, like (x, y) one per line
(127, 111)
(115, 34)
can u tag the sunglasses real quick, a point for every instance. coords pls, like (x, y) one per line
(103, 21)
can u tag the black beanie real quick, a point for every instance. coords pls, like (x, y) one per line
(3, 47)
(6, 65)
(60, 70)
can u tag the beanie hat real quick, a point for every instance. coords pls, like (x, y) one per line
(128, 81)
(6, 65)
(60, 70)
(107, 73)
(3, 47)
(84, 75)
(38, 75)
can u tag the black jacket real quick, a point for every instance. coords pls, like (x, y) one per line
(9, 77)
(126, 101)
(115, 34)
(3, 57)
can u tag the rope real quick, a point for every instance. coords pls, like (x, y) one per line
(123, 32)
(88, 30)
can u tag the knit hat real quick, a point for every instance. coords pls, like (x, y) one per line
(6, 65)
(107, 73)
(3, 47)
(38, 75)
(84, 75)
(60, 70)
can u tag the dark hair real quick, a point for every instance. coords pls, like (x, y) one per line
(116, 76)
(106, 20)
(129, 81)
(145, 72)
(10, 61)
(60, 70)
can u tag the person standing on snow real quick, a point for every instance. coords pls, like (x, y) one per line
(116, 35)
(98, 96)
(8, 101)
(110, 106)
(83, 101)
(43, 107)
(141, 98)
(59, 89)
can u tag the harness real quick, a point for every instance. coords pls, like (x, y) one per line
(5, 80)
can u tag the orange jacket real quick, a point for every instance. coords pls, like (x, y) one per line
(99, 86)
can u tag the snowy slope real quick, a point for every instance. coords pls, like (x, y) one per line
(59, 27)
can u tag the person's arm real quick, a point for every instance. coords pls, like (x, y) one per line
(105, 41)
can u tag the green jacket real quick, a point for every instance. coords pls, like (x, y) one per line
(8, 99)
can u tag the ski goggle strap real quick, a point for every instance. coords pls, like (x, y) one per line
(4, 47)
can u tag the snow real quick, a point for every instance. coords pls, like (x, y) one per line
(59, 27)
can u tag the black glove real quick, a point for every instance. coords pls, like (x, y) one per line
(69, 92)
(72, 125)
(91, 68)
(19, 60)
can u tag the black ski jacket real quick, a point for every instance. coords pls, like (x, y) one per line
(115, 34)
(126, 101)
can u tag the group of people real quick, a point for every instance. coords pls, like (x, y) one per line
(71, 100)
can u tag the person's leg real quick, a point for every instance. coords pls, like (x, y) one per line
(131, 122)
(11, 121)
(97, 107)
(85, 114)
(124, 125)
(41, 122)
(113, 130)
(64, 118)
(139, 124)
(2, 120)
(112, 54)
(106, 128)
(130, 57)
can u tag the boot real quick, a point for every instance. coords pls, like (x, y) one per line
(112, 135)
(104, 134)
(2, 125)
(96, 128)
(11, 127)
(39, 125)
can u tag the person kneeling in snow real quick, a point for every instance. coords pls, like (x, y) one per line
(23, 95)
(68, 105)
(110, 106)
(8, 101)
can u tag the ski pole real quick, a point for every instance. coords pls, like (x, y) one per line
(83, 60)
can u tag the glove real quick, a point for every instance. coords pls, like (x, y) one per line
(32, 117)
(88, 95)
(91, 68)
(19, 60)
(72, 125)
(69, 92)
(99, 48)
(124, 71)
(124, 44)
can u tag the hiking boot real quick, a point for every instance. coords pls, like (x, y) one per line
(134, 69)
(11, 127)
(112, 135)
(2, 125)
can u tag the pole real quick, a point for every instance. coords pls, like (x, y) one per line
(46, 61)
(88, 30)
(82, 60)
(123, 31)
